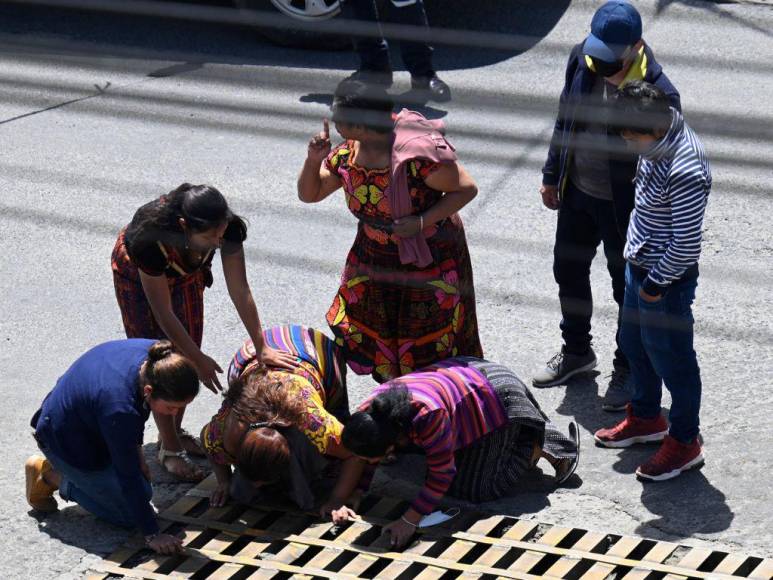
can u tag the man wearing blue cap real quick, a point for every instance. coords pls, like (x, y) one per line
(588, 177)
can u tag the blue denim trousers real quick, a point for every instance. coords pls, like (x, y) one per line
(98, 492)
(657, 339)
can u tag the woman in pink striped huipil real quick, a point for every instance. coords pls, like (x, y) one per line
(479, 426)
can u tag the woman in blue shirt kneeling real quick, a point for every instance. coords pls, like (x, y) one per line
(90, 429)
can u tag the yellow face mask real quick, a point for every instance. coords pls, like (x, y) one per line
(636, 71)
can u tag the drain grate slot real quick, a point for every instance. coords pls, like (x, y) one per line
(240, 542)
(748, 567)
(712, 562)
(571, 538)
(375, 569)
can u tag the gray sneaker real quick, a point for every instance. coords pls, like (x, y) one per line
(620, 390)
(564, 366)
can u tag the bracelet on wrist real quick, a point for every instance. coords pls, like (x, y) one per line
(407, 522)
(149, 538)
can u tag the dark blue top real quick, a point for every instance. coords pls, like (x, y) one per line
(95, 417)
(573, 116)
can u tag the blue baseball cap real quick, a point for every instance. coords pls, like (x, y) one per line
(615, 27)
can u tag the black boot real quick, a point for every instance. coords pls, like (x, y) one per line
(432, 87)
(373, 77)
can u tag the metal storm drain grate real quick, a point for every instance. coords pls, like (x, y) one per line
(239, 542)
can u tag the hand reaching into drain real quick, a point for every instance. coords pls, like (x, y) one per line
(338, 511)
(164, 544)
(400, 533)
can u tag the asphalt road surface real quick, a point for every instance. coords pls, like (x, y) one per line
(101, 113)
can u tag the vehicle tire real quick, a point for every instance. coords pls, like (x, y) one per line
(302, 11)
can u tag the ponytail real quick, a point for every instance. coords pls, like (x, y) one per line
(171, 375)
(202, 207)
(160, 350)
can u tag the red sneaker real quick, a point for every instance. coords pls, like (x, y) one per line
(672, 458)
(632, 430)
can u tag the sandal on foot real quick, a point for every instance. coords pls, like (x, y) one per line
(195, 474)
(191, 444)
(566, 467)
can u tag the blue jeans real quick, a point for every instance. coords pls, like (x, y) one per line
(657, 339)
(98, 492)
(374, 52)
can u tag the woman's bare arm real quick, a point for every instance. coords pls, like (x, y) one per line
(315, 182)
(460, 189)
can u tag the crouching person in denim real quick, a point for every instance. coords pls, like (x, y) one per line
(663, 244)
(90, 429)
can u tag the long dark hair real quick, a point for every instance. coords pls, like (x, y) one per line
(202, 207)
(269, 408)
(171, 375)
(369, 433)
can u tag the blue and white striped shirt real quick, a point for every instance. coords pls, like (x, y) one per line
(673, 182)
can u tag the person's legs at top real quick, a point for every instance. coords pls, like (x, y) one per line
(667, 335)
(648, 390)
(620, 388)
(577, 238)
(643, 423)
(98, 492)
(417, 53)
(373, 49)
(187, 297)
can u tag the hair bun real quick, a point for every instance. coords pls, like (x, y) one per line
(380, 408)
(160, 350)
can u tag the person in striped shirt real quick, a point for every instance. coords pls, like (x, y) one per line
(588, 179)
(663, 245)
(478, 425)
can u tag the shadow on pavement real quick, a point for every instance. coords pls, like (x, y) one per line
(686, 506)
(712, 6)
(103, 34)
(629, 459)
(75, 526)
(582, 401)
(532, 21)
(406, 100)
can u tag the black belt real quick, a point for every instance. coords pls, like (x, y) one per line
(377, 224)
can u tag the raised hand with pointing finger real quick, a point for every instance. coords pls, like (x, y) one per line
(319, 145)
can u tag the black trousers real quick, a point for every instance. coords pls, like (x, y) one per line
(583, 223)
(374, 52)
